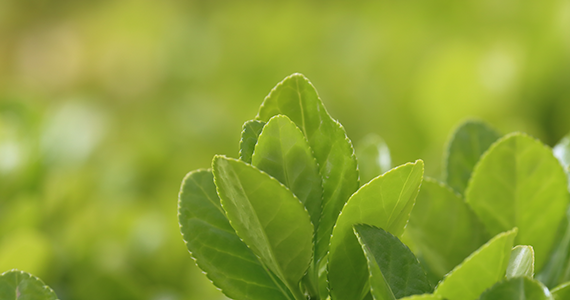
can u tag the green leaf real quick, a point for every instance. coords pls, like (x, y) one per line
(20, 285)
(267, 217)
(296, 98)
(384, 202)
(465, 148)
(443, 227)
(373, 157)
(283, 152)
(557, 269)
(519, 183)
(398, 266)
(561, 292)
(215, 246)
(516, 289)
(249, 135)
(479, 271)
(562, 151)
(521, 262)
(422, 297)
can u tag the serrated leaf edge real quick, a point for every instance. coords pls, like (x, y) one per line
(30, 276)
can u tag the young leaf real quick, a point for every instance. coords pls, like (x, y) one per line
(561, 292)
(521, 262)
(519, 183)
(557, 269)
(283, 152)
(296, 98)
(373, 157)
(249, 134)
(422, 297)
(398, 266)
(16, 285)
(215, 246)
(517, 288)
(267, 217)
(385, 202)
(443, 227)
(479, 271)
(562, 151)
(467, 145)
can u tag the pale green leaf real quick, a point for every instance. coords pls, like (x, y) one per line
(422, 297)
(283, 152)
(443, 228)
(479, 271)
(215, 246)
(519, 183)
(557, 269)
(296, 98)
(561, 292)
(391, 264)
(384, 202)
(267, 217)
(562, 151)
(466, 146)
(249, 135)
(521, 262)
(373, 157)
(518, 288)
(20, 285)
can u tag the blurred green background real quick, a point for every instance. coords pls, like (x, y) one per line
(106, 105)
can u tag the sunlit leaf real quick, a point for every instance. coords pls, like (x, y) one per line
(562, 151)
(373, 157)
(521, 262)
(519, 183)
(249, 134)
(296, 98)
(422, 297)
(283, 152)
(516, 289)
(267, 217)
(390, 262)
(443, 227)
(561, 292)
(467, 145)
(215, 246)
(479, 271)
(20, 285)
(384, 202)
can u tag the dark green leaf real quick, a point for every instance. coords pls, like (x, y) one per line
(249, 135)
(518, 288)
(373, 157)
(467, 145)
(384, 202)
(267, 217)
(215, 246)
(296, 98)
(479, 271)
(557, 269)
(519, 183)
(521, 262)
(283, 152)
(398, 266)
(443, 227)
(20, 285)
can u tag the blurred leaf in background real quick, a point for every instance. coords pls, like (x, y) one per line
(106, 105)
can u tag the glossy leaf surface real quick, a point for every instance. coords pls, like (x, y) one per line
(249, 135)
(20, 285)
(267, 217)
(398, 266)
(296, 98)
(479, 271)
(443, 227)
(283, 152)
(373, 157)
(516, 289)
(562, 292)
(557, 269)
(467, 145)
(384, 202)
(519, 183)
(562, 151)
(521, 262)
(215, 246)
